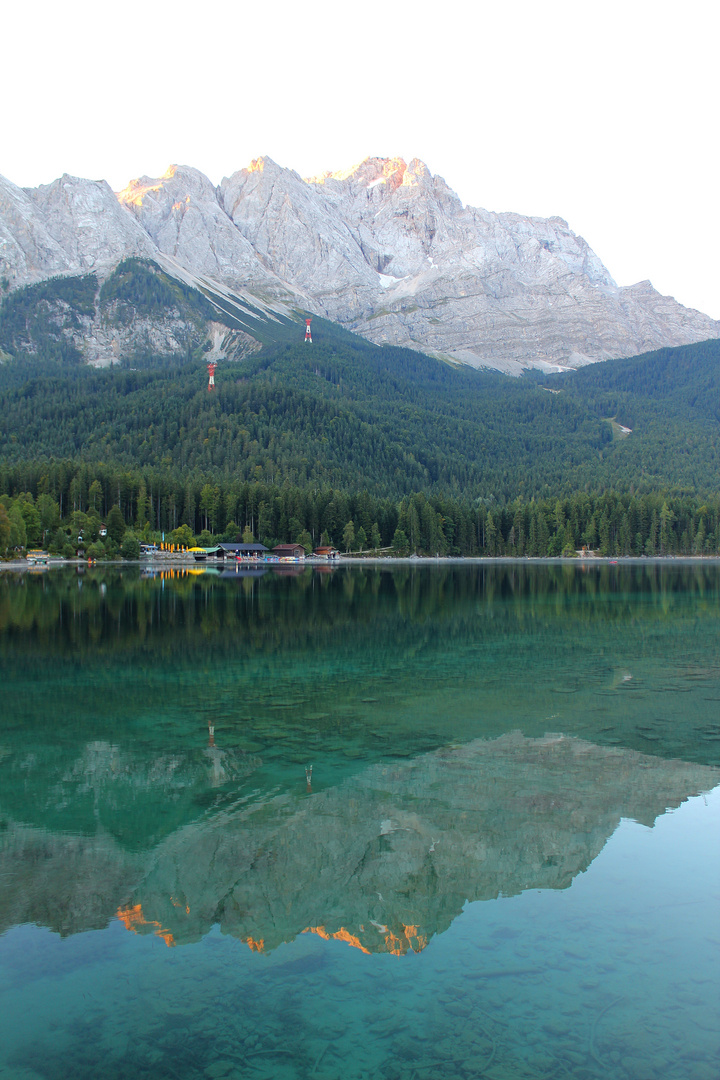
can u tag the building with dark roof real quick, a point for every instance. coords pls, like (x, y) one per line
(245, 551)
(289, 551)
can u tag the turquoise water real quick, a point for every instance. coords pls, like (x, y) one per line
(397, 823)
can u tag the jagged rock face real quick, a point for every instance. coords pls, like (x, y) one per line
(102, 345)
(384, 248)
(105, 335)
(84, 217)
(102, 342)
(69, 226)
(300, 235)
(418, 269)
(27, 250)
(181, 213)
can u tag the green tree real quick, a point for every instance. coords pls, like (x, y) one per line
(58, 541)
(554, 546)
(78, 524)
(210, 503)
(651, 544)
(130, 545)
(49, 511)
(605, 534)
(590, 534)
(189, 511)
(349, 535)
(518, 526)
(625, 535)
(92, 526)
(95, 495)
(400, 542)
(18, 532)
(264, 522)
(76, 493)
(666, 534)
(116, 524)
(31, 517)
(5, 529)
(700, 538)
(306, 540)
(231, 532)
(375, 538)
(183, 536)
(361, 539)
(490, 534)
(141, 515)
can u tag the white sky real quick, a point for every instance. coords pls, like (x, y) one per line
(605, 114)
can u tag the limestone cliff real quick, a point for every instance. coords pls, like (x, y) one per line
(389, 251)
(384, 248)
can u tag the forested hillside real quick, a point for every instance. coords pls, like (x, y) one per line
(332, 414)
(349, 414)
(140, 314)
(340, 417)
(670, 399)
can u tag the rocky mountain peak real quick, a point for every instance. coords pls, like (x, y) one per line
(84, 219)
(143, 187)
(182, 181)
(368, 173)
(28, 252)
(183, 214)
(385, 174)
(264, 168)
(386, 248)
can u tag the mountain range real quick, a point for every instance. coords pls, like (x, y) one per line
(385, 249)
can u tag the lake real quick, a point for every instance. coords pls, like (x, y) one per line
(392, 822)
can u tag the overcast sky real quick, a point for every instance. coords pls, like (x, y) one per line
(605, 114)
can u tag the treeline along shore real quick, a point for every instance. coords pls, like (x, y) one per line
(350, 444)
(57, 505)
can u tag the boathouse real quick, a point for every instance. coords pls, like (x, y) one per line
(243, 551)
(326, 552)
(289, 551)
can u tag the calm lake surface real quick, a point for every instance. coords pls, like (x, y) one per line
(399, 823)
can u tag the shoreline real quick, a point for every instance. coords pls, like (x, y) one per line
(371, 560)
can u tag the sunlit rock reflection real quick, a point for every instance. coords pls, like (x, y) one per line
(383, 861)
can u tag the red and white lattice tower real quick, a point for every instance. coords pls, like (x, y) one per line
(308, 335)
(211, 372)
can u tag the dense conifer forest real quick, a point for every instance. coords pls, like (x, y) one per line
(368, 447)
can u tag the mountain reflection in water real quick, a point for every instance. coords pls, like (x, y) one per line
(304, 781)
(384, 861)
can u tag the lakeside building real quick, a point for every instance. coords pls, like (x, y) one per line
(326, 551)
(289, 551)
(242, 551)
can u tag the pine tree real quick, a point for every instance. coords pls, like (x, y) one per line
(349, 536)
